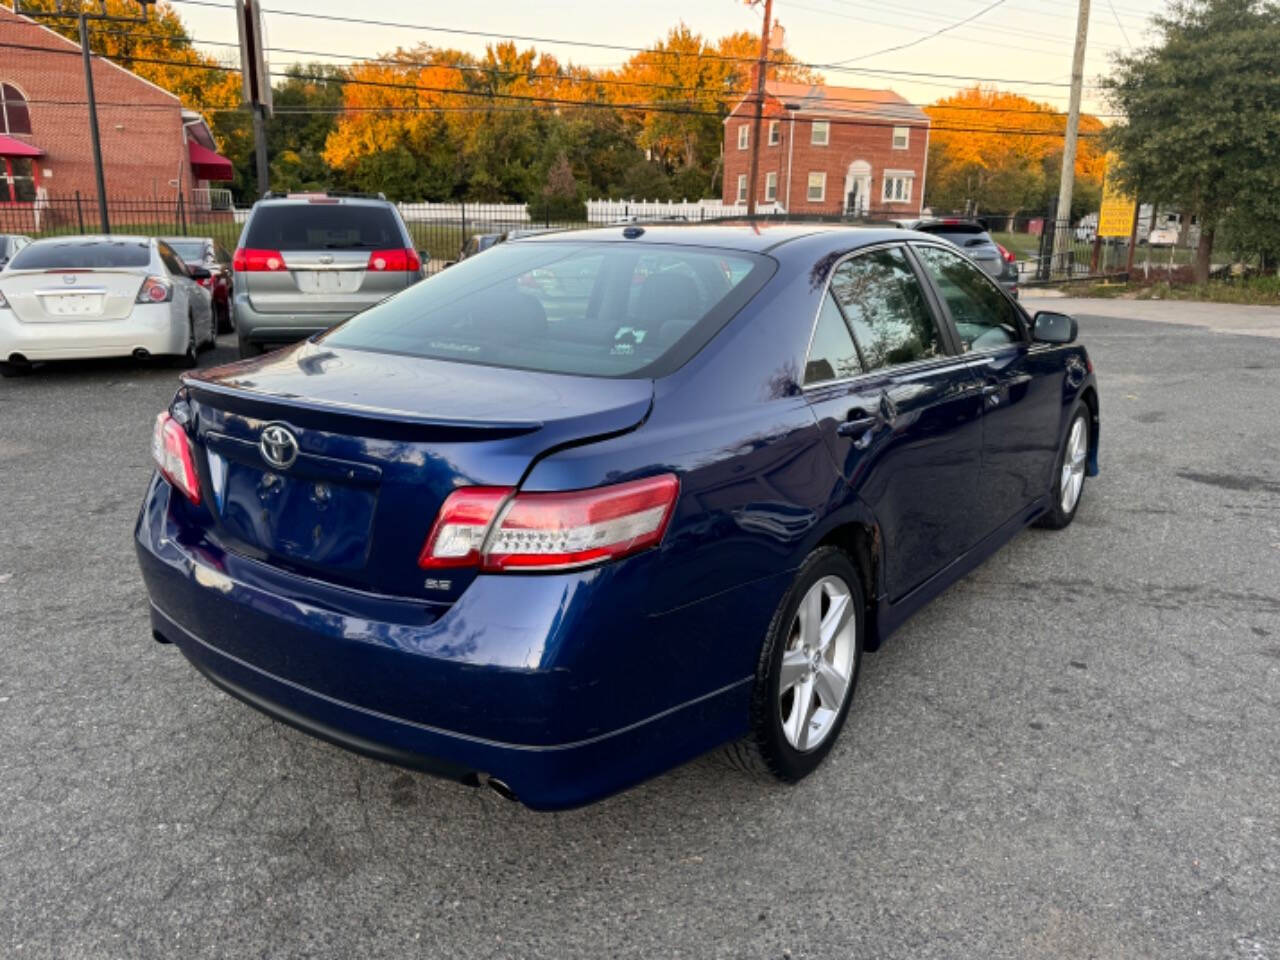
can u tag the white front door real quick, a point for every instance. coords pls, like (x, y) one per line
(857, 188)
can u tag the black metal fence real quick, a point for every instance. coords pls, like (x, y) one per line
(1047, 250)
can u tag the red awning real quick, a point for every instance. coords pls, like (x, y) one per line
(10, 147)
(207, 165)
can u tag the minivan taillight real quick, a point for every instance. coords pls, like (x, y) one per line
(405, 259)
(497, 529)
(171, 451)
(249, 260)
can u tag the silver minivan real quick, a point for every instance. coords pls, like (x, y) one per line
(307, 262)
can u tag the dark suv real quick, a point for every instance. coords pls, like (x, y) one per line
(972, 237)
(307, 262)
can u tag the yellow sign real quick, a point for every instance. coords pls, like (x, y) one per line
(1116, 218)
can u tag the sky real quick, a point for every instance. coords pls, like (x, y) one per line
(1027, 43)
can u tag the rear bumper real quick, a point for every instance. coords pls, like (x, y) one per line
(259, 327)
(149, 327)
(512, 682)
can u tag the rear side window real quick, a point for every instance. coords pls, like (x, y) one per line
(323, 226)
(833, 355)
(599, 309)
(885, 306)
(82, 255)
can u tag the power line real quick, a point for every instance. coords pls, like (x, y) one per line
(937, 33)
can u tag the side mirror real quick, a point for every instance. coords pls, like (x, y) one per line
(1054, 328)
(198, 273)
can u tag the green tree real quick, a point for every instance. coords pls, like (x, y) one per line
(1201, 129)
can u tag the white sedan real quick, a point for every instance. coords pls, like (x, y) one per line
(70, 297)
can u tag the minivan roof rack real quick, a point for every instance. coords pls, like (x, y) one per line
(335, 194)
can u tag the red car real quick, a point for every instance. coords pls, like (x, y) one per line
(213, 256)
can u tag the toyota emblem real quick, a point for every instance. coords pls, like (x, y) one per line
(279, 447)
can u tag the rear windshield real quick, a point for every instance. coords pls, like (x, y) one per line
(323, 226)
(192, 251)
(961, 236)
(81, 254)
(600, 309)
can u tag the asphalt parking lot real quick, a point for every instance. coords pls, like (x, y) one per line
(1075, 752)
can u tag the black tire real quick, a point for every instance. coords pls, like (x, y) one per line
(191, 356)
(1056, 518)
(14, 369)
(765, 751)
(248, 348)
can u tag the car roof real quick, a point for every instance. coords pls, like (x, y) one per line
(187, 239)
(323, 201)
(95, 238)
(750, 237)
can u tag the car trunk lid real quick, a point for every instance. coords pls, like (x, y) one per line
(61, 296)
(381, 440)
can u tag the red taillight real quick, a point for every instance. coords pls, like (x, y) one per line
(172, 453)
(1008, 257)
(248, 260)
(495, 530)
(155, 290)
(404, 259)
(205, 281)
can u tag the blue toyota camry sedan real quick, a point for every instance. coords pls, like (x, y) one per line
(591, 504)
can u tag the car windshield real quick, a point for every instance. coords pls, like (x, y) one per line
(599, 309)
(82, 255)
(961, 236)
(323, 226)
(192, 251)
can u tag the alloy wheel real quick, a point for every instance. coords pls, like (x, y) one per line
(817, 664)
(1073, 464)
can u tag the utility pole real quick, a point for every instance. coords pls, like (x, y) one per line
(1062, 229)
(761, 67)
(256, 76)
(84, 16)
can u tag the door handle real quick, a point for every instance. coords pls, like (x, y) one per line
(990, 389)
(856, 424)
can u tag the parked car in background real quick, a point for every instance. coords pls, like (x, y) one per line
(213, 256)
(72, 297)
(973, 238)
(558, 551)
(480, 242)
(309, 261)
(10, 244)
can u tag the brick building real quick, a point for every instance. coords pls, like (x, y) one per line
(831, 150)
(151, 147)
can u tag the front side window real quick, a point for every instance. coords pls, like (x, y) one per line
(742, 188)
(832, 356)
(771, 185)
(817, 187)
(775, 133)
(15, 117)
(744, 137)
(594, 309)
(897, 187)
(886, 309)
(983, 317)
(821, 134)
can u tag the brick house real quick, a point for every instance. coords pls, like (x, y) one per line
(831, 150)
(151, 147)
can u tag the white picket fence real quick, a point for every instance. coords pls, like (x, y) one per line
(598, 211)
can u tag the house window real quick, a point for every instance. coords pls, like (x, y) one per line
(775, 133)
(821, 135)
(742, 188)
(14, 116)
(901, 138)
(744, 137)
(771, 186)
(817, 187)
(17, 180)
(897, 186)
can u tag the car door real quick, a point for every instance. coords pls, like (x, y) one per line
(188, 296)
(1021, 384)
(899, 411)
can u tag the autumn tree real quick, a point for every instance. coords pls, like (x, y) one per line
(1201, 129)
(1000, 152)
